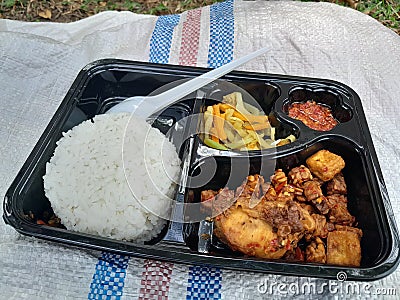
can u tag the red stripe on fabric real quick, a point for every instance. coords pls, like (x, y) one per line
(155, 280)
(190, 38)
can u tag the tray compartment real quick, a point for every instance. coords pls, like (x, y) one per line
(112, 87)
(324, 96)
(259, 94)
(362, 201)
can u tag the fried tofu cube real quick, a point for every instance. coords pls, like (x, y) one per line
(343, 248)
(325, 164)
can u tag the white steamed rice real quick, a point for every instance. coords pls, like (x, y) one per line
(87, 187)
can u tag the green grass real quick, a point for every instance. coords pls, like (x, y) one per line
(131, 6)
(159, 8)
(385, 11)
(9, 3)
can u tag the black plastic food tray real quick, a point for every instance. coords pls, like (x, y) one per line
(107, 82)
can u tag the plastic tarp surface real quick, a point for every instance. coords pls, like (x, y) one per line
(39, 62)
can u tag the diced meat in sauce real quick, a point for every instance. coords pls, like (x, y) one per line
(298, 175)
(301, 216)
(338, 212)
(315, 252)
(285, 219)
(321, 205)
(313, 193)
(254, 186)
(313, 115)
(312, 190)
(321, 226)
(279, 190)
(217, 202)
(336, 199)
(337, 185)
(295, 255)
(279, 180)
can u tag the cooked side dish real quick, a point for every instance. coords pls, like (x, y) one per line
(234, 124)
(298, 216)
(313, 115)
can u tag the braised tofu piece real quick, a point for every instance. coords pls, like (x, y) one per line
(358, 231)
(325, 164)
(343, 248)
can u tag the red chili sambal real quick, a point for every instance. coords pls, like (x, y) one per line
(313, 115)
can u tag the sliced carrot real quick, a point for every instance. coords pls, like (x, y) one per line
(246, 118)
(214, 135)
(251, 118)
(224, 106)
(239, 115)
(256, 119)
(257, 126)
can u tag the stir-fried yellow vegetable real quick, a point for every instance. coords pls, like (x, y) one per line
(234, 124)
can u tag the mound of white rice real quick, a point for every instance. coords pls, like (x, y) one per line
(102, 180)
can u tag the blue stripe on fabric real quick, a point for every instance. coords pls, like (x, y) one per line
(222, 31)
(160, 42)
(108, 279)
(204, 283)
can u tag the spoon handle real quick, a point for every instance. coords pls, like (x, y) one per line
(145, 106)
(168, 97)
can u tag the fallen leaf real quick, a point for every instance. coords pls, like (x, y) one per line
(102, 3)
(45, 14)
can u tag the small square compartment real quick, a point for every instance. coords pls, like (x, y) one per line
(323, 96)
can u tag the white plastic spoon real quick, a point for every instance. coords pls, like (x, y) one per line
(145, 106)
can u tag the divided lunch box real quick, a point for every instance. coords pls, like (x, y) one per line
(104, 83)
